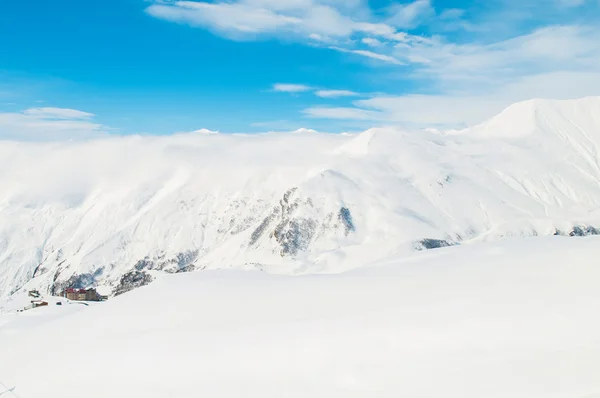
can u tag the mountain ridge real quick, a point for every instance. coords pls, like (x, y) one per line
(98, 212)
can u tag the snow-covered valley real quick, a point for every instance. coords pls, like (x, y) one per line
(514, 319)
(114, 212)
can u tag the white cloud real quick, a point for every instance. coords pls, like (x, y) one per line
(205, 132)
(469, 80)
(236, 19)
(370, 54)
(381, 57)
(410, 15)
(322, 20)
(223, 17)
(47, 124)
(57, 113)
(463, 109)
(476, 81)
(335, 93)
(369, 41)
(291, 88)
(481, 67)
(343, 113)
(452, 13)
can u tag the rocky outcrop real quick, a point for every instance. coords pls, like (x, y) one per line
(294, 233)
(132, 280)
(428, 244)
(579, 230)
(78, 281)
(182, 262)
(345, 217)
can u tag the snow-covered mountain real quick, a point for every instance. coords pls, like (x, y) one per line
(113, 212)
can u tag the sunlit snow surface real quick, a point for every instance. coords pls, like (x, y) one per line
(511, 319)
(290, 203)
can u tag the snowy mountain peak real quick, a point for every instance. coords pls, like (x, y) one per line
(359, 145)
(304, 131)
(205, 132)
(543, 116)
(116, 212)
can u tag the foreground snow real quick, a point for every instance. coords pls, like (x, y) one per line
(511, 319)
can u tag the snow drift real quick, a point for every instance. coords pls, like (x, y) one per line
(113, 212)
(514, 319)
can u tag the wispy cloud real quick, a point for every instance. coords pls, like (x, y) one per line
(411, 14)
(327, 21)
(335, 93)
(457, 78)
(370, 54)
(233, 19)
(343, 113)
(475, 81)
(461, 109)
(47, 124)
(57, 113)
(291, 88)
(371, 42)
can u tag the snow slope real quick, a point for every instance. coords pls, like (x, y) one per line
(510, 319)
(115, 212)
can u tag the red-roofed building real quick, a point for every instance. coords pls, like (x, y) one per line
(83, 295)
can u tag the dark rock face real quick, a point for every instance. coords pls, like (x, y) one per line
(79, 281)
(294, 234)
(132, 280)
(264, 225)
(345, 217)
(584, 231)
(182, 262)
(285, 208)
(144, 264)
(428, 244)
(579, 230)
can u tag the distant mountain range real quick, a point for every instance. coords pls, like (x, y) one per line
(111, 213)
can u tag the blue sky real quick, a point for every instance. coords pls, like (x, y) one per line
(72, 68)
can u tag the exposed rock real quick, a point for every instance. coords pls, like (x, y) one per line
(294, 235)
(579, 230)
(78, 281)
(584, 231)
(345, 217)
(428, 244)
(132, 280)
(264, 225)
(183, 262)
(145, 264)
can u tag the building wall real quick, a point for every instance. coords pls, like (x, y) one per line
(88, 295)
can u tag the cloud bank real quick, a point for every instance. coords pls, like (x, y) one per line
(49, 124)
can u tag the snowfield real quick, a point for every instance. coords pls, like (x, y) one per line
(510, 319)
(114, 213)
